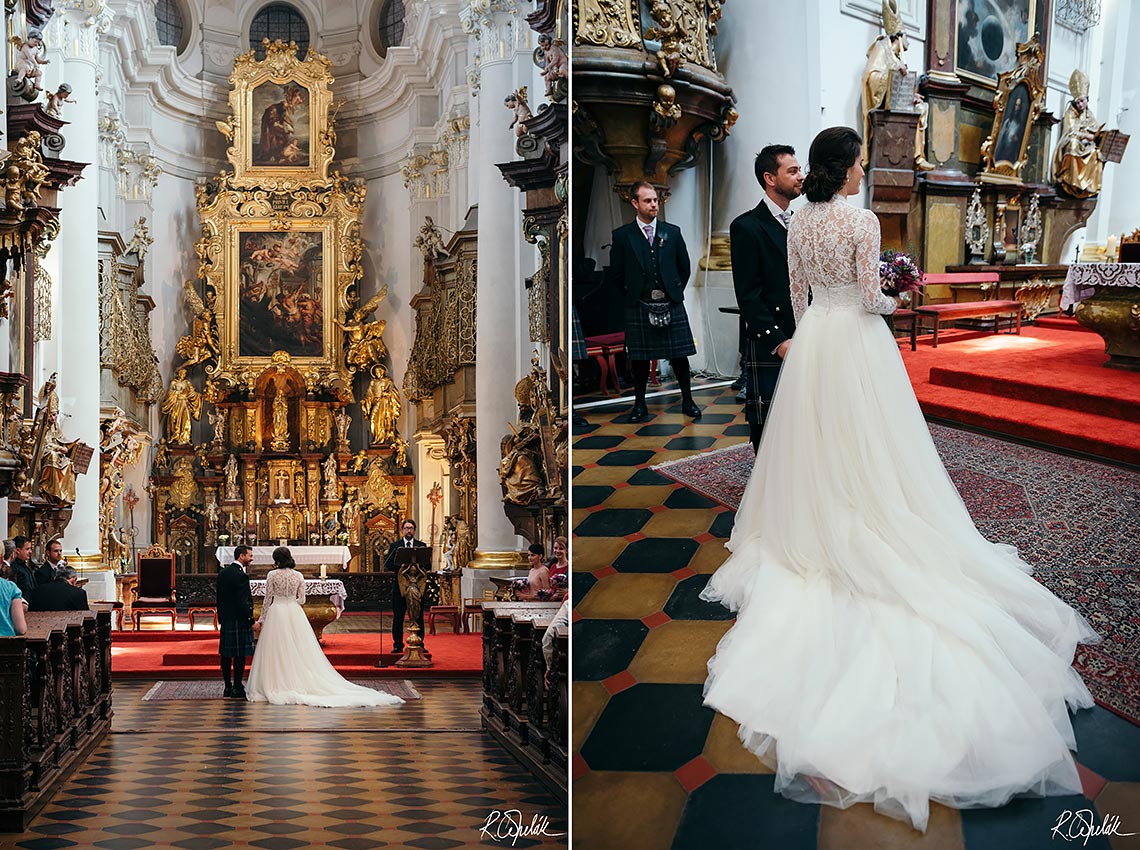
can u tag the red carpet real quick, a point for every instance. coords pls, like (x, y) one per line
(1047, 385)
(190, 655)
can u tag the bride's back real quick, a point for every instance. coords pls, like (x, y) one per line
(823, 241)
(283, 582)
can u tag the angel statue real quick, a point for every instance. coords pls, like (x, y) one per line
(516, 102)
(430, 240)
(28, 58)
(365, 339)
(381, 404)
(53, 103)
(201, 345)
(182, 405)
(556, 65)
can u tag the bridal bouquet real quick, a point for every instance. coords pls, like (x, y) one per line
(898, 273)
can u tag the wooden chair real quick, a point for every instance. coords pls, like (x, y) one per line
(447, 612)
(154, 593)
(473, 611)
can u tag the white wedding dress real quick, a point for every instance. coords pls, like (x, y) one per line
(289, 667)
(883, 650)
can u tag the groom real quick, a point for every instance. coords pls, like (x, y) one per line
(759, 245)
(235, 618)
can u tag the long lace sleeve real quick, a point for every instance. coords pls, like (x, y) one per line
(797, 277)
(300, 588)
(867, 265)
(270, 582)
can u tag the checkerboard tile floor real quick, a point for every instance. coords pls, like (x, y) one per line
(652, 767)
(208, 774)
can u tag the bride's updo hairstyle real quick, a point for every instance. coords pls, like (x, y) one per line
(283, 558)
(832, 152)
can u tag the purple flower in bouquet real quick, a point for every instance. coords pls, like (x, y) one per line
(899, 273)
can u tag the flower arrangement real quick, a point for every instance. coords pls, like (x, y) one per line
(899, 273)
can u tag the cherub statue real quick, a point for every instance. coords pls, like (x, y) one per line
(28, 58)
(669, 57)
(365, 339)
(556, 65)
(381, 404)
(53, 104)
(400, 445)
(201, 345)
(31, 173)
(430, 240)
(666, 111)
(516, 101)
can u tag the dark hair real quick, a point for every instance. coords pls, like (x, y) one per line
(768, 160)
(832, 152)
(283, 558)
(241, 549)
(407, 520)
(21, 541)
(636, 187)
(536, 549)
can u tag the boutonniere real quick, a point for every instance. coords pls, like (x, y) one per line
(662, 238)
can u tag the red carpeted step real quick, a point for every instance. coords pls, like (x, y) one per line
(1065, 323)
(1113, 439)
(1045, 386)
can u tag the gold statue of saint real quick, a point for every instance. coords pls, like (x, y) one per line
(280, 441)
(381, 404)
(884, 57)
(182, 405)
(365, 340)
(1078, 164)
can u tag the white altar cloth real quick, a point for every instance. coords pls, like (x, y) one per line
(332, 555)
(332, 587)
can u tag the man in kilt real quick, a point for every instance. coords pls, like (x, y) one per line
(235, 617)
(650, 263)
(759, 244)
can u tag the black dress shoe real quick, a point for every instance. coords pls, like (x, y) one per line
(738, 384)
(228, 691)
(239, 692)
(639, 414)
(398, 650)
(691, 410)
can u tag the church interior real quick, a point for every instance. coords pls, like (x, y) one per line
(286, 274)
(997, 160)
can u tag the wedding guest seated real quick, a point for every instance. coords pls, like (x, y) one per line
(61, 594)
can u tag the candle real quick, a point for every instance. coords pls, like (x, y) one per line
(307, 523)
(245, 517)
(324, 571)
(1110, 248)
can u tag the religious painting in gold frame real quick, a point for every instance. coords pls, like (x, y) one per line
(280, 132)
(1017, 105)
(988, 33)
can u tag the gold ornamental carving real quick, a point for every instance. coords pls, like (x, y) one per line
(25, 173)
(1017, 105)
(685, 29)
(1034, 297)
(183, 489)
(445, 328)
(607, 23)
(124, 340)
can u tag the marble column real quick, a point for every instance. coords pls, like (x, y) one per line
(72, 38)
(503, 44)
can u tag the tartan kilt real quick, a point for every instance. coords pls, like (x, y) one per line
(236, 639)
(577, 339)
(763, 371)
(645, 342)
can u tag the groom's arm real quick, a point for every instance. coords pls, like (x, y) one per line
(748, 281)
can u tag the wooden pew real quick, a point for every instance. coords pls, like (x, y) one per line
(517, 701)
(55, 706)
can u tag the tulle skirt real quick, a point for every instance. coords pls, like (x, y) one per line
(883, 651)
(289, 667)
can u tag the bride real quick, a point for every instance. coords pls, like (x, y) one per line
(883, 651)
(288, 666)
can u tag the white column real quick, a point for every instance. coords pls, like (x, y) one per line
(502, 35)
(72, 38)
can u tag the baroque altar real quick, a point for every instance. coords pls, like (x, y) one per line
(282, 345)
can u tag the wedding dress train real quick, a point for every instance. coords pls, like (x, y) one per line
(883, 651)
(289, 667)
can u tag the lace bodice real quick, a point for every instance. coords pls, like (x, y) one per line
(833, 248)
(287, 584)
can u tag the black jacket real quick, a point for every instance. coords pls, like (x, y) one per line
(760, 277)
(57, 595)
(394, 547)
(45, 573)
(24, 576)
(235, 600)
(631, 261)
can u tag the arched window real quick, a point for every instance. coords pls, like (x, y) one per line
(279, 21)
(168, 20)
(391, 26)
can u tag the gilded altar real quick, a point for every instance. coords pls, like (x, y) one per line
(284, 340)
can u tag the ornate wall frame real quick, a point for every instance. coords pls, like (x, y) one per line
(1017, 105)
(260, 226)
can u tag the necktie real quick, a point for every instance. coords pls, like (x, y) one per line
(649, 233)
(785, 217)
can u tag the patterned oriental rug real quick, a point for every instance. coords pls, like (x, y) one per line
(212, 689)
(1077, 522)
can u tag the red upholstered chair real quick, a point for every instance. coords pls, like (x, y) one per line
(154, 593)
